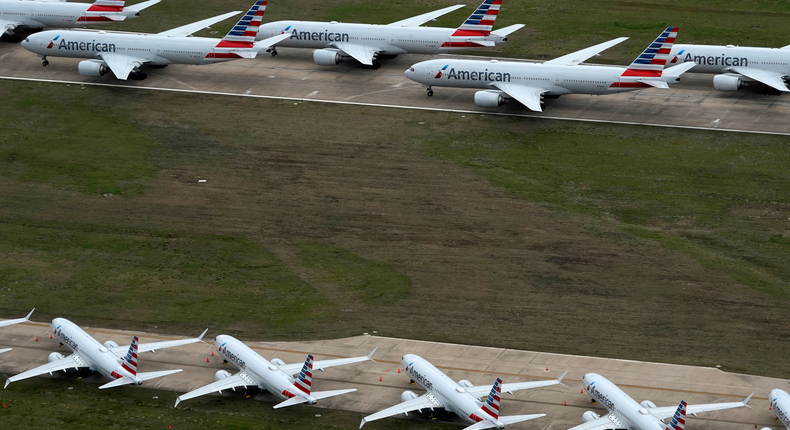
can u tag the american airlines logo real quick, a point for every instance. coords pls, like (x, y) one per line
(439, 75)
(466, 75)
(782, 415)
(317, 36)
(232, 357)
(713, 61)
(600, 398)
(419, 378)
(92, 46)
(65, 339)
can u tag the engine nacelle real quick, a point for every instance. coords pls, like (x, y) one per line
(55, 356)
(326, 57)
(766, 428)
(647, 404)
(110, 344)
(221, 374)
(92, 68)
(407, 395)
(465, 383)
(590, 416)
(727, 83)
(489, 99)
(278, 362)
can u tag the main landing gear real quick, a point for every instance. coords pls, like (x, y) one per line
(44, 61)
(137, 76)
(273, 51)
(375, 66)
(430, 92)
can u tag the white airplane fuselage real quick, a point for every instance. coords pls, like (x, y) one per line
(391, 40)
(94, 354)
(780, 403)
(630, 413)
(448, 392)
(40, 14)
(556, 79)
(156, 50)
(718, 59)
(263, 372)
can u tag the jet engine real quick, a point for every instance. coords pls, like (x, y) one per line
(766, 428)
(278, 362)
(110, 344)
(727, 83)
(465, 383)
(489, 99)
(221, 374)
(647, 404)
(590, 416)
(326, 57)
(55, 356)
(92, 68)
(407, 395)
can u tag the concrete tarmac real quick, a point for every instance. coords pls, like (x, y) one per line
(664, 384)
(293, 75)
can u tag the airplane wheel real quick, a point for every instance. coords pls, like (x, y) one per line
(45, 63)
(274, 53)
(430, 93)
(376, 65)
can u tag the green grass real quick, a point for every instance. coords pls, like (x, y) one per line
(372, 281)
(75, 146)
(154, 276)
(62, 403)
(714, 196)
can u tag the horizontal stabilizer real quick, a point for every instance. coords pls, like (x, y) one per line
(140, 6)
(315, 395)
(482, 42)
(655, 83)
(507, 30)
(504, 420)
(115, 17)
(140, 376)
(678, 70)
(268, 43)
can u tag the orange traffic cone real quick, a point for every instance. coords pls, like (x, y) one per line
(36, 338)
(380, 379)
(3, 404)
(399, 370)
(206, 359)
(565, 404)
(50, 336)
(212, 353)
(581, 391)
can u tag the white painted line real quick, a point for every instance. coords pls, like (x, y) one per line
(471, 112)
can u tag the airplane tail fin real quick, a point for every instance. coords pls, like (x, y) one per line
(650, 63)
(130, 360)
(491, 405)
(679, 419)
(107, 6)
(305, 380)
(104, 11)
(243, 34)
(482, 19)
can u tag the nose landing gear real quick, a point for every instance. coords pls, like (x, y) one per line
(44, 61)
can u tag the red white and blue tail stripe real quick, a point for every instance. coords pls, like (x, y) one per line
(491, 405)
(245, 31)
(651, 62)
(104, 11)
(679, 419)
(107, 6)
(483, 18)
(130, 360)
(305, 380)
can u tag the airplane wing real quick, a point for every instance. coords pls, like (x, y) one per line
(240, 379)
(528, 96)
(140, 376)
(363, 54)
(504, 420)
(483, 390)
(419, 20)
(121, 65)
(580, 56)
(767, 77)
(608, 422)
(140, 6)
(120, 351)
(18, 320)
(293, 369)
(187, 30)
(426, 401)
(4, 350)
(6, 25)
(668, 411)
(73, 361)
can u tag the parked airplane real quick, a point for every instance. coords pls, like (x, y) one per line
(779, 401)
(626, 414)
(125, 53)
(460, 398)
(529, 83)
(335, 42)
(37, 15)
(118, 363)
(275, 376)
(12, 322)
(737, 66)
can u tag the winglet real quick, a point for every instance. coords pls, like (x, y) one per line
(362, 423)
(200, 338)
(559, 380)
(178, 400)
(370, 356)
(747, 400)
(27, 318)
(8, 381)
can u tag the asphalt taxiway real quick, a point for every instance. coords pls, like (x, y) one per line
(292, 75)
(380, 385)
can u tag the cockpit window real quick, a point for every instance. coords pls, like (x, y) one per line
(411, 69)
